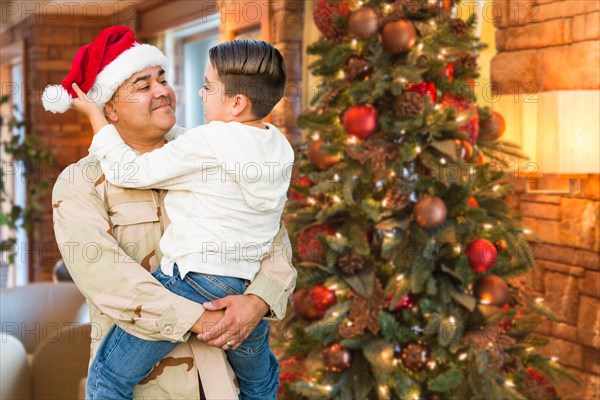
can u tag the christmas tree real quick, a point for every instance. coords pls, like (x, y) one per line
(410, 257)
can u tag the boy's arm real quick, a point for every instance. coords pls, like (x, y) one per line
(169, 167)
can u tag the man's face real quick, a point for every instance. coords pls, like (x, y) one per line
(216, 104)
(144, 104)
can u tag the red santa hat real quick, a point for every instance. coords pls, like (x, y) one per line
(99, 68)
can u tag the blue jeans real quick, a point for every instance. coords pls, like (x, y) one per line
(124, 360)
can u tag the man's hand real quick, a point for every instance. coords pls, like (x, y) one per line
(242, 314)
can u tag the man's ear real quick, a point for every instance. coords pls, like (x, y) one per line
(111, 112)
(241, 103)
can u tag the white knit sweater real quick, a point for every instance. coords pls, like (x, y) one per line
(227, 187)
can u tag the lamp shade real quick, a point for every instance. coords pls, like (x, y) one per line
(558, 130)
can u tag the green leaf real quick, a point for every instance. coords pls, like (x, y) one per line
(447, 381)
(362, 283)
(465, 300)
(447, 147)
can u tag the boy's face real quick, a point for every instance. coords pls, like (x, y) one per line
(145, 103)
(217, 106)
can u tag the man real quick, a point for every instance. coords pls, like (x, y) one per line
(109, 236)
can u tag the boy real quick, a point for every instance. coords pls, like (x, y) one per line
(214, 247)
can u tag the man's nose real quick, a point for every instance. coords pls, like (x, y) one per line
(161, 90)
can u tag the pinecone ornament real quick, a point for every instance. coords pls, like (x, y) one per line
(458, 26)
(466, 60)
(396, 199)
(410, 104)
(351, 263)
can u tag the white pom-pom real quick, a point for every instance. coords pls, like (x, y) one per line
(56, 99)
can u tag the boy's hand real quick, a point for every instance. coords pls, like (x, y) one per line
(87, 107)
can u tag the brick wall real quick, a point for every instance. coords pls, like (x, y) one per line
(549, 45)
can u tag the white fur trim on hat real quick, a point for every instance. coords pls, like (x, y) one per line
(132, 60)
(56, 99)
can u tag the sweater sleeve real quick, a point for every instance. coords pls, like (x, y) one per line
(169, 167)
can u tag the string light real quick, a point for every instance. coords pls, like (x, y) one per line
(527, 231)
(336, 177)
(403, 132)
(487, 227)
(437, 106)
(341, 75)
(352, 140)
(431, 365)
(460, 118)
(392, 174)
(387, 8)
(336, 199)
(418, 149)
(338, 235)
(496, 188)
(315, 136)
(384, 203)
(311, 201)
(360, 3)
(529, 349)
(509, 383)
(329, 388)
(554, 359)
(399, 277)
(539, 300)
(443, 161)
(462, 357)
(420, 47)
(452, 320)
(353, 43)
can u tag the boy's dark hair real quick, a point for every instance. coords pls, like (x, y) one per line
(253, 68)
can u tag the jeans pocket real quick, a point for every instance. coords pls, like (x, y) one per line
(257, 341)
(215, 287)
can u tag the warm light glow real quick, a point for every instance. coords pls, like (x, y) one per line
(486, 299)
(336, 177)
(554, 359)
(311, 201)
(495, 188)
(437, 106)
(420, 47)
(338, 235)
(509, 383)
(352, 140)
(529, 349)
(315, 136)
(354, 43)
(387, 8)
(329, 388)
(392, 174)
(452, 320)
(336, 199)
(443, 161)
(527, 231)
(487, 226)
(539, 300)
(341, 75)
(384, 203)
(462, 357)
(431, 365)
(403, 132)
(418, 149)
(399, 277)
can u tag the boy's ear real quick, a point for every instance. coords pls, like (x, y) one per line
(240, 104)
(111, 112)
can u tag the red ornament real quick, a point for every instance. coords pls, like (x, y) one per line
(321, 297)
(448, 72)
(309, 248)
(472, 202)
(406, 301)
(482, 255)
(424, 88)
(464, 108)
(291, 370)
(360, 121)
(304, 308)
(539, 384)
(324, 12)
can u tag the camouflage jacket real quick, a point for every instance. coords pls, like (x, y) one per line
(109, 239)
